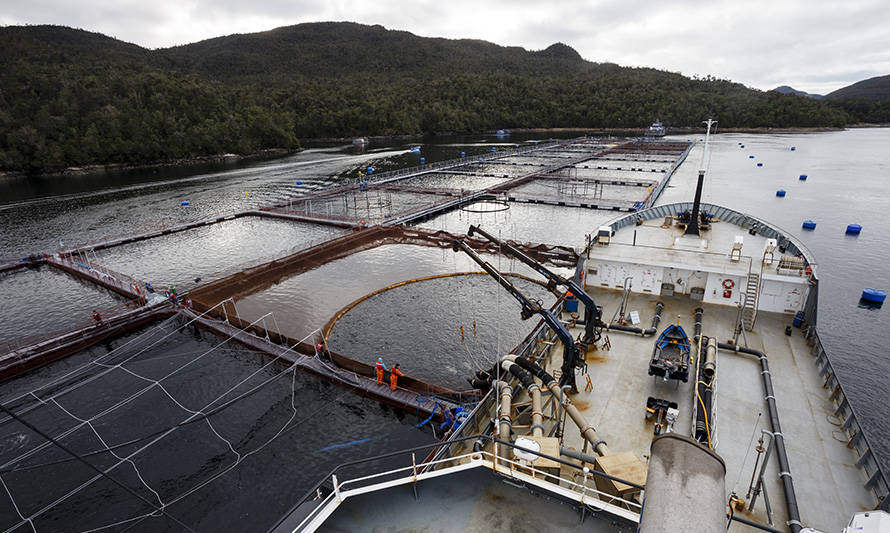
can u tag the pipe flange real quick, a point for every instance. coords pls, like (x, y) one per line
(782, 474)
(585, 428)
(536, 426)
(794, 523)
(597, 443)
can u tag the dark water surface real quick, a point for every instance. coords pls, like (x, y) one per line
(278, 433)
(419, 326)
(199, 252)
(25, 309)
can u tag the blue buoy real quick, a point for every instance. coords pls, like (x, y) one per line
(759, 164)
(463, 154)
(803, 177)
(422, 160)
(493, 148)
(793, 148)
(853, 229)
(874, 295)
(184, 202)
(370, 170)
(809, 224)
(780, 193)
(743, 146)
(740, 144)
(750, 157)
(299, 182)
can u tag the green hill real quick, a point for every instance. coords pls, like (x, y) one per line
(878, 87)
(70, 97)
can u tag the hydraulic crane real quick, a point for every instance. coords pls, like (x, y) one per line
(570, 358)
(593, 323)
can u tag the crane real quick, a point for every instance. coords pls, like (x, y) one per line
(570, 358)
(593, 323)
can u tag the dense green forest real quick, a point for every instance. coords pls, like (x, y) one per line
(70, 97)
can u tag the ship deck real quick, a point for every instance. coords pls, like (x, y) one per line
(828, 484)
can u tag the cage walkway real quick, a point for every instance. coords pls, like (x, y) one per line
(408, 400)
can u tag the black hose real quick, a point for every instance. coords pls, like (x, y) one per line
(535, 370)
(784, 468)
(644, 332)
(524, 377)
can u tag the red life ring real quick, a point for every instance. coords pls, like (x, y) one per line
(728, 284)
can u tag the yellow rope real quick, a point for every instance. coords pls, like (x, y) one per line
(330, 325)
(704, 411)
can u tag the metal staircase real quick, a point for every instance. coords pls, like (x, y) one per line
(752, 292)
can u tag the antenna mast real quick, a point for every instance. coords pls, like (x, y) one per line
(692, 225)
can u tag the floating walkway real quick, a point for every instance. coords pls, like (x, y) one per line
(418, 398)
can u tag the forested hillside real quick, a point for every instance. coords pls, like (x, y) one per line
(70, 97)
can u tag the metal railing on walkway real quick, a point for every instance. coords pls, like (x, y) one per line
(582, 493)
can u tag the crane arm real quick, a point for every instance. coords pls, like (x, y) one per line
(570, 352)
(592, 315)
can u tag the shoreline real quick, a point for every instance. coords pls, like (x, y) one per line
(272, 153)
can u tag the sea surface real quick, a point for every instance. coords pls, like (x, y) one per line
(848, 182)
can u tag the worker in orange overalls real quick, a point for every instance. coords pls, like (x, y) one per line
(394, 376)
(380, 368)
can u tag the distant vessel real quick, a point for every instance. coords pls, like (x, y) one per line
(360, 141)
(655, 130)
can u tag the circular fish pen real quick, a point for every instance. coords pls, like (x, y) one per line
(486, 206)
(441, 329)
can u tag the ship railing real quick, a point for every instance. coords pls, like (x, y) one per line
(848, 421)
(724, 214)
(584, 493)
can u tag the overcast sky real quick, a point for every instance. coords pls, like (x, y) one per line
(813, 45)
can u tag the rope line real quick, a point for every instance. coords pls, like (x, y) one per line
(99, 360)
(160, 435)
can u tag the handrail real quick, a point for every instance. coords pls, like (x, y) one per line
(331, 475)
(859, 440)
(723, 213)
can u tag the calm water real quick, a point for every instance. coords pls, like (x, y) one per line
(25, 311)
(305, 302)
(566, 226)
(848, 182)
(219, 247)
(419, 326)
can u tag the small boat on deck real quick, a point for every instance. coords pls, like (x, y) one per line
(670, 359)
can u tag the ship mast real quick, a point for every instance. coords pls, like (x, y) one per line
(692, 226)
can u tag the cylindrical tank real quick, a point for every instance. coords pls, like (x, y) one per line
(684, 488)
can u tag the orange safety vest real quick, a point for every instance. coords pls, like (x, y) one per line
(379, 372)
(394, 378)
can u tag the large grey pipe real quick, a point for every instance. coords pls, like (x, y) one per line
(505, 420)
(534, 391)
(784, 468)
(685, 488)
(587, 430)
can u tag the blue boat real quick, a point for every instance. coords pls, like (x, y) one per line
(670, 359)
